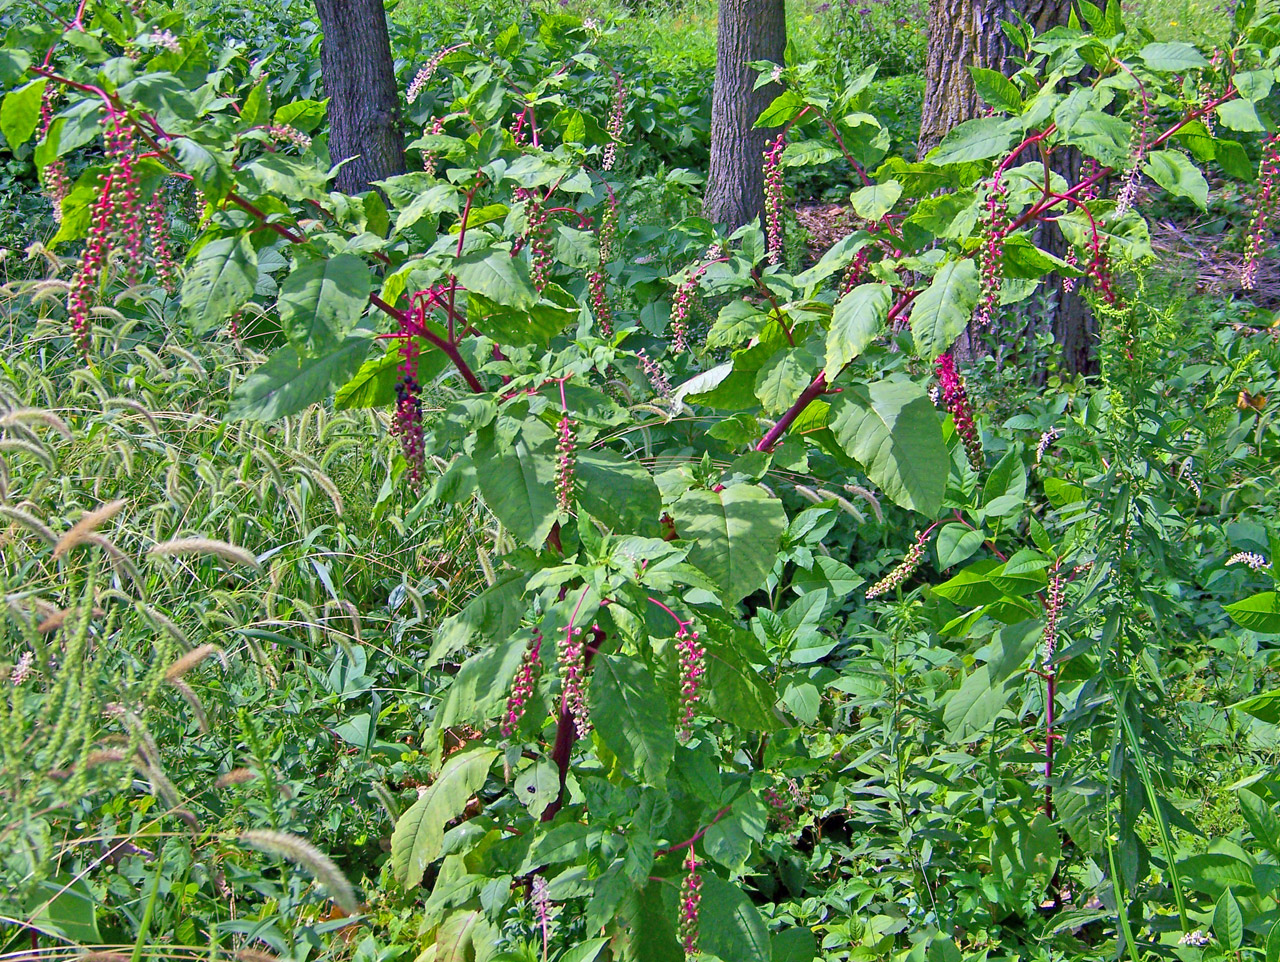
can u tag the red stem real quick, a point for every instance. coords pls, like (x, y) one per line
(696, 836)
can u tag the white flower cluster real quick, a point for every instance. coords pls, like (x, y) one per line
(1250, 558)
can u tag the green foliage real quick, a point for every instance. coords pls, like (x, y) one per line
(672, 461)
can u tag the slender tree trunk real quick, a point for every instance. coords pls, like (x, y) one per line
(360, 81)
(748, 30)
(964, 33)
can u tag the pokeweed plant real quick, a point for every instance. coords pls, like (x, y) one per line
(629, 675)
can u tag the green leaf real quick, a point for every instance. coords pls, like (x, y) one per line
(13, 64)
(1260, 612)
(619, 493)
(20, 113)
(305, 115)
(783, 110)
(781, 380)
(734, 690)
(795, 944)
(1228, 923)
(519, 486)
(491, 615)
(892, 429)
(64, 907)
(735, 534)
(970, 586)
(973, 706)
(729, 926)
(374, 385)
(419, 832)
(957, 543)
(219, 282)
(497, 275)
(972, 140)
(856, 322)
(257, 104)
(287, 383)
(1261, 819)
(1240, 115)
(322, 300)
(1264, 706)
(630, 714)
(1172, 56)
(996, 89)
(211, 172)
(435, 200)
(1101, 136)
(873, 202)
(942, 311)
(1173, 171)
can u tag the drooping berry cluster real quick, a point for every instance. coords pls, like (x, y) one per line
(782, 807)
(523, 685)
(597, 278)
(429, 157)
(681, 304)
(571, 660)
(955, 398)
(1132, 174)
(690, 901)
(406, 422)
(856, 271)
(161, 251)
(56, 183)
(773, 197)
(902, 571)
(114, 224)
(1098, 270)
(1052, 611)
(1264, 210)
(994, 229)
(657, 377)
(617, 118)
(538, 236)
(693, 665)
(423, 76)
(519, 130)
(1089, 169)
(565, 458)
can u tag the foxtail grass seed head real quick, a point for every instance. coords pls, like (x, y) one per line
(205, 546)
(88, 523)
(302, 853)
(904, 569)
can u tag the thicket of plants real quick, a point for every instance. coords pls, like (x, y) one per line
(507, 564)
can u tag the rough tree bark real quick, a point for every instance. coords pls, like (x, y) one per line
(964, 33)
(748, 30)
(360, 82)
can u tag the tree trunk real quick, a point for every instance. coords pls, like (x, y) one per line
(360, 82)
(964, 33)
(748, 30)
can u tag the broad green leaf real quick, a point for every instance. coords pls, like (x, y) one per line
(564, 843)
(211, 172)
(1254, 85)
(1172, 56)
(306, 115)
(374, 385)
(734, 690)
(735, 534)
(464, 936)
(1260, 612)
(957, 543)
(783, 110)
(619, 493)
(647, 932)
(1261, 819)
(287, 383)
(729, 926)
(322, 300)
(782, 379)
(478, 691)
(20, 113)
(497, 275)
(996, 89)
(13, 64)
(940, 314)
(973, 706)
(434, 200)
(972, 140)
(490, 616)
(65, 908)
(970, 586)
(876, 200)
(519, 486)
(856, 322)
(219, 282)
(257, 104)
(1228, 923)
(1264, 706)
(1175, 173)
(1240, 115)
(795, 944)
(630, 714)
(419, 832)
(892, 429)
(1101, 136)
